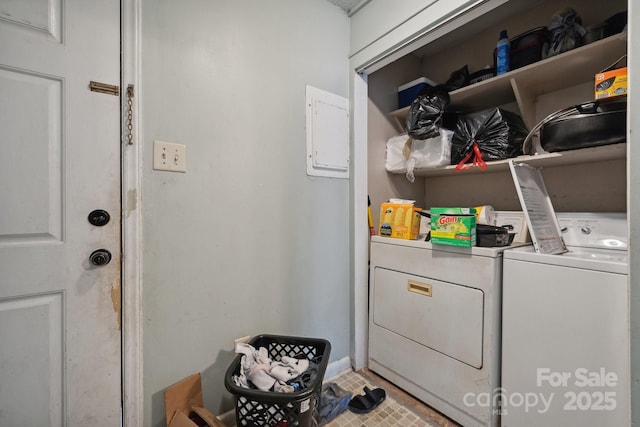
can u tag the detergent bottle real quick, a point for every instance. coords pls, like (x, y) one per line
(502, 53)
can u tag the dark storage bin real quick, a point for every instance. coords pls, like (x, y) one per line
(265, 408)
(614, 25)
(481, 75)
(493, 236)
(527, 48)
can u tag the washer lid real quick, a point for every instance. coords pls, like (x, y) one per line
(537, 208)
(603, 260)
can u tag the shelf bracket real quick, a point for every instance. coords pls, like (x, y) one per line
(526, 100)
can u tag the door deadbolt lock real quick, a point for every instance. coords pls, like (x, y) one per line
(100, 257)
(99, 217)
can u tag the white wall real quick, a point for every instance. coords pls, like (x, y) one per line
(383, 98)
(245, 242)
(633, 158)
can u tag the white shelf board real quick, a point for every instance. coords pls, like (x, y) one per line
(557, 72)
(583, 155)
(567, 69)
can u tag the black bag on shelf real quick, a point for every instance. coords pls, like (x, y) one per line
(492, 134)
(566, 31)
(425, 114)
(458, 79)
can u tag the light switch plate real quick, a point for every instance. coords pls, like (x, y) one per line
(169, 156)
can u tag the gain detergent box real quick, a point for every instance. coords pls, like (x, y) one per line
(453, 226)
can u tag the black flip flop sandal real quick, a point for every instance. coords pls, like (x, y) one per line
(363, 404)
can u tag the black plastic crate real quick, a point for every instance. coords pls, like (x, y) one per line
(266, 408)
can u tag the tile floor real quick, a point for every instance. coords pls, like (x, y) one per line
(398, 409)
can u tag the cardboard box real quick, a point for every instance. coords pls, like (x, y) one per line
(399, 220)
(453, 226)
(183, 403)
(611, 83)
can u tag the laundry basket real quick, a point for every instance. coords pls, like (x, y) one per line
(266, 408)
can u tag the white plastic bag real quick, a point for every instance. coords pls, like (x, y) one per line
(429, 153)
(395, 161)
(406, 155)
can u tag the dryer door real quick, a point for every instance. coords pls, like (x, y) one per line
(442, 316)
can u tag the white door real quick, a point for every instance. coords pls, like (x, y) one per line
(60, 351)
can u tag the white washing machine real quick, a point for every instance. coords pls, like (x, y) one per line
(565, 328)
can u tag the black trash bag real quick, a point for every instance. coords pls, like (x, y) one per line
(425, 114)
(492, 134)
(566, 31)
(459, 78)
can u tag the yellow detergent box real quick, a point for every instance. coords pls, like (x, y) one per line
(453, 226)
(399, 220)
(611, 83)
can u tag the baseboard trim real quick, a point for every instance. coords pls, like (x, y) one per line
(228, 418)
(337, 368)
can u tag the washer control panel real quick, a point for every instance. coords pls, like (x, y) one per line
(595, 230)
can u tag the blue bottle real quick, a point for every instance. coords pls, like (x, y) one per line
(502, 53)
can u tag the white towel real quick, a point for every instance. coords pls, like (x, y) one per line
(257, 367)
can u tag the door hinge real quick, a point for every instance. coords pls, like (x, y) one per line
(104, 88)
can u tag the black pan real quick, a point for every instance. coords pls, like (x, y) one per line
(593, 124)
(584, 125)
